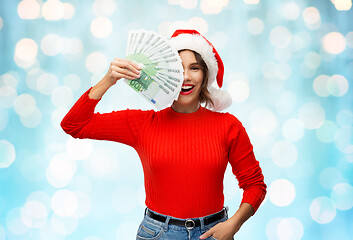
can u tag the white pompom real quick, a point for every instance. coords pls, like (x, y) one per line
(221, 99)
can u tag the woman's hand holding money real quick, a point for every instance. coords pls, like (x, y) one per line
(123, 68)
(119, 68)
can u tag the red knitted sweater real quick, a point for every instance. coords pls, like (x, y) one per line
(183, 155)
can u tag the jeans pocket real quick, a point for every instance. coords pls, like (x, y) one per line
(149, 231)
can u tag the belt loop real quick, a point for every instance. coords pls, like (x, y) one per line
(166, 223)
(202, 223)
(145, 211)
(227, 209)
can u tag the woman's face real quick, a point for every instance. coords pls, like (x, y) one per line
(193, 77)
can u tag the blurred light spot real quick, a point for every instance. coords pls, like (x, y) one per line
(40, 196)
(280, 37)
(47, 232)
(283, 54)
(69, 11)
(326, 132)
(57, 116)
(124, 200)
(25, 52)
(103, 162)
(34, 214)
(344, 139)
(62, 96)
(61, 170)
(96, 62)
(312, 115)
(255, 26)
(188, 4)
(72, 81)
(201, 25)
(25, 105)
(4, 118)
(51, 44)
(33, 119)
(8, 79)
(291, 11)
(213, 6)
(284, 154)
(101, 27)
(72, 46)
(281, 192)
(312, 60)
(164, 29)
(63, 225)
(283, 71)
(104, 7)
(239, 90)
(7, 153)
(14, 223)
(312, 18)
(337, 85)
(46, 83)
(28, 9)
(64, 203)
(342, 5)
(127, 230)
(334, 43)
(251, 1)
(79, 149)
(263, 121)
(219, 40)
(349, 39)
(271, 228)
(329, 177)
(290, 228)
(344, 118)
(32, 78)
(53, 10)
(322, 210)
(293, 130)
(320, 85)
(8, 95)
(300, 41)
(84, 205)
(1, 23)
(342, 196)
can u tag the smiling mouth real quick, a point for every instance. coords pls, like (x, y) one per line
(187, 89)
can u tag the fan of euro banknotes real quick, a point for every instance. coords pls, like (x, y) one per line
(161, 75)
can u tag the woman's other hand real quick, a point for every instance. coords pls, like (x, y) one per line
(222, 231)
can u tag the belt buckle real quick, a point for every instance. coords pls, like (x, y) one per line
(187, 224)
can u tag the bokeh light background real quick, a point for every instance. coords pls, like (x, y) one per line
(288, 67)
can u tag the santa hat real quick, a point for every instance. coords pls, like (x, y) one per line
(193, 40)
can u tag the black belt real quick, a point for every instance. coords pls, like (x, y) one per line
(188, 223)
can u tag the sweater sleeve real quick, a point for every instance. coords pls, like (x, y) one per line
(244, 165)
(120, 126)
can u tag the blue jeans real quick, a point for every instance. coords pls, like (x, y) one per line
(151, 229)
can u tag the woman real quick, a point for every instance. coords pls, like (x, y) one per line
(184, 149)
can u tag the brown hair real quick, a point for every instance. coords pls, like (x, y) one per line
(205, 95)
